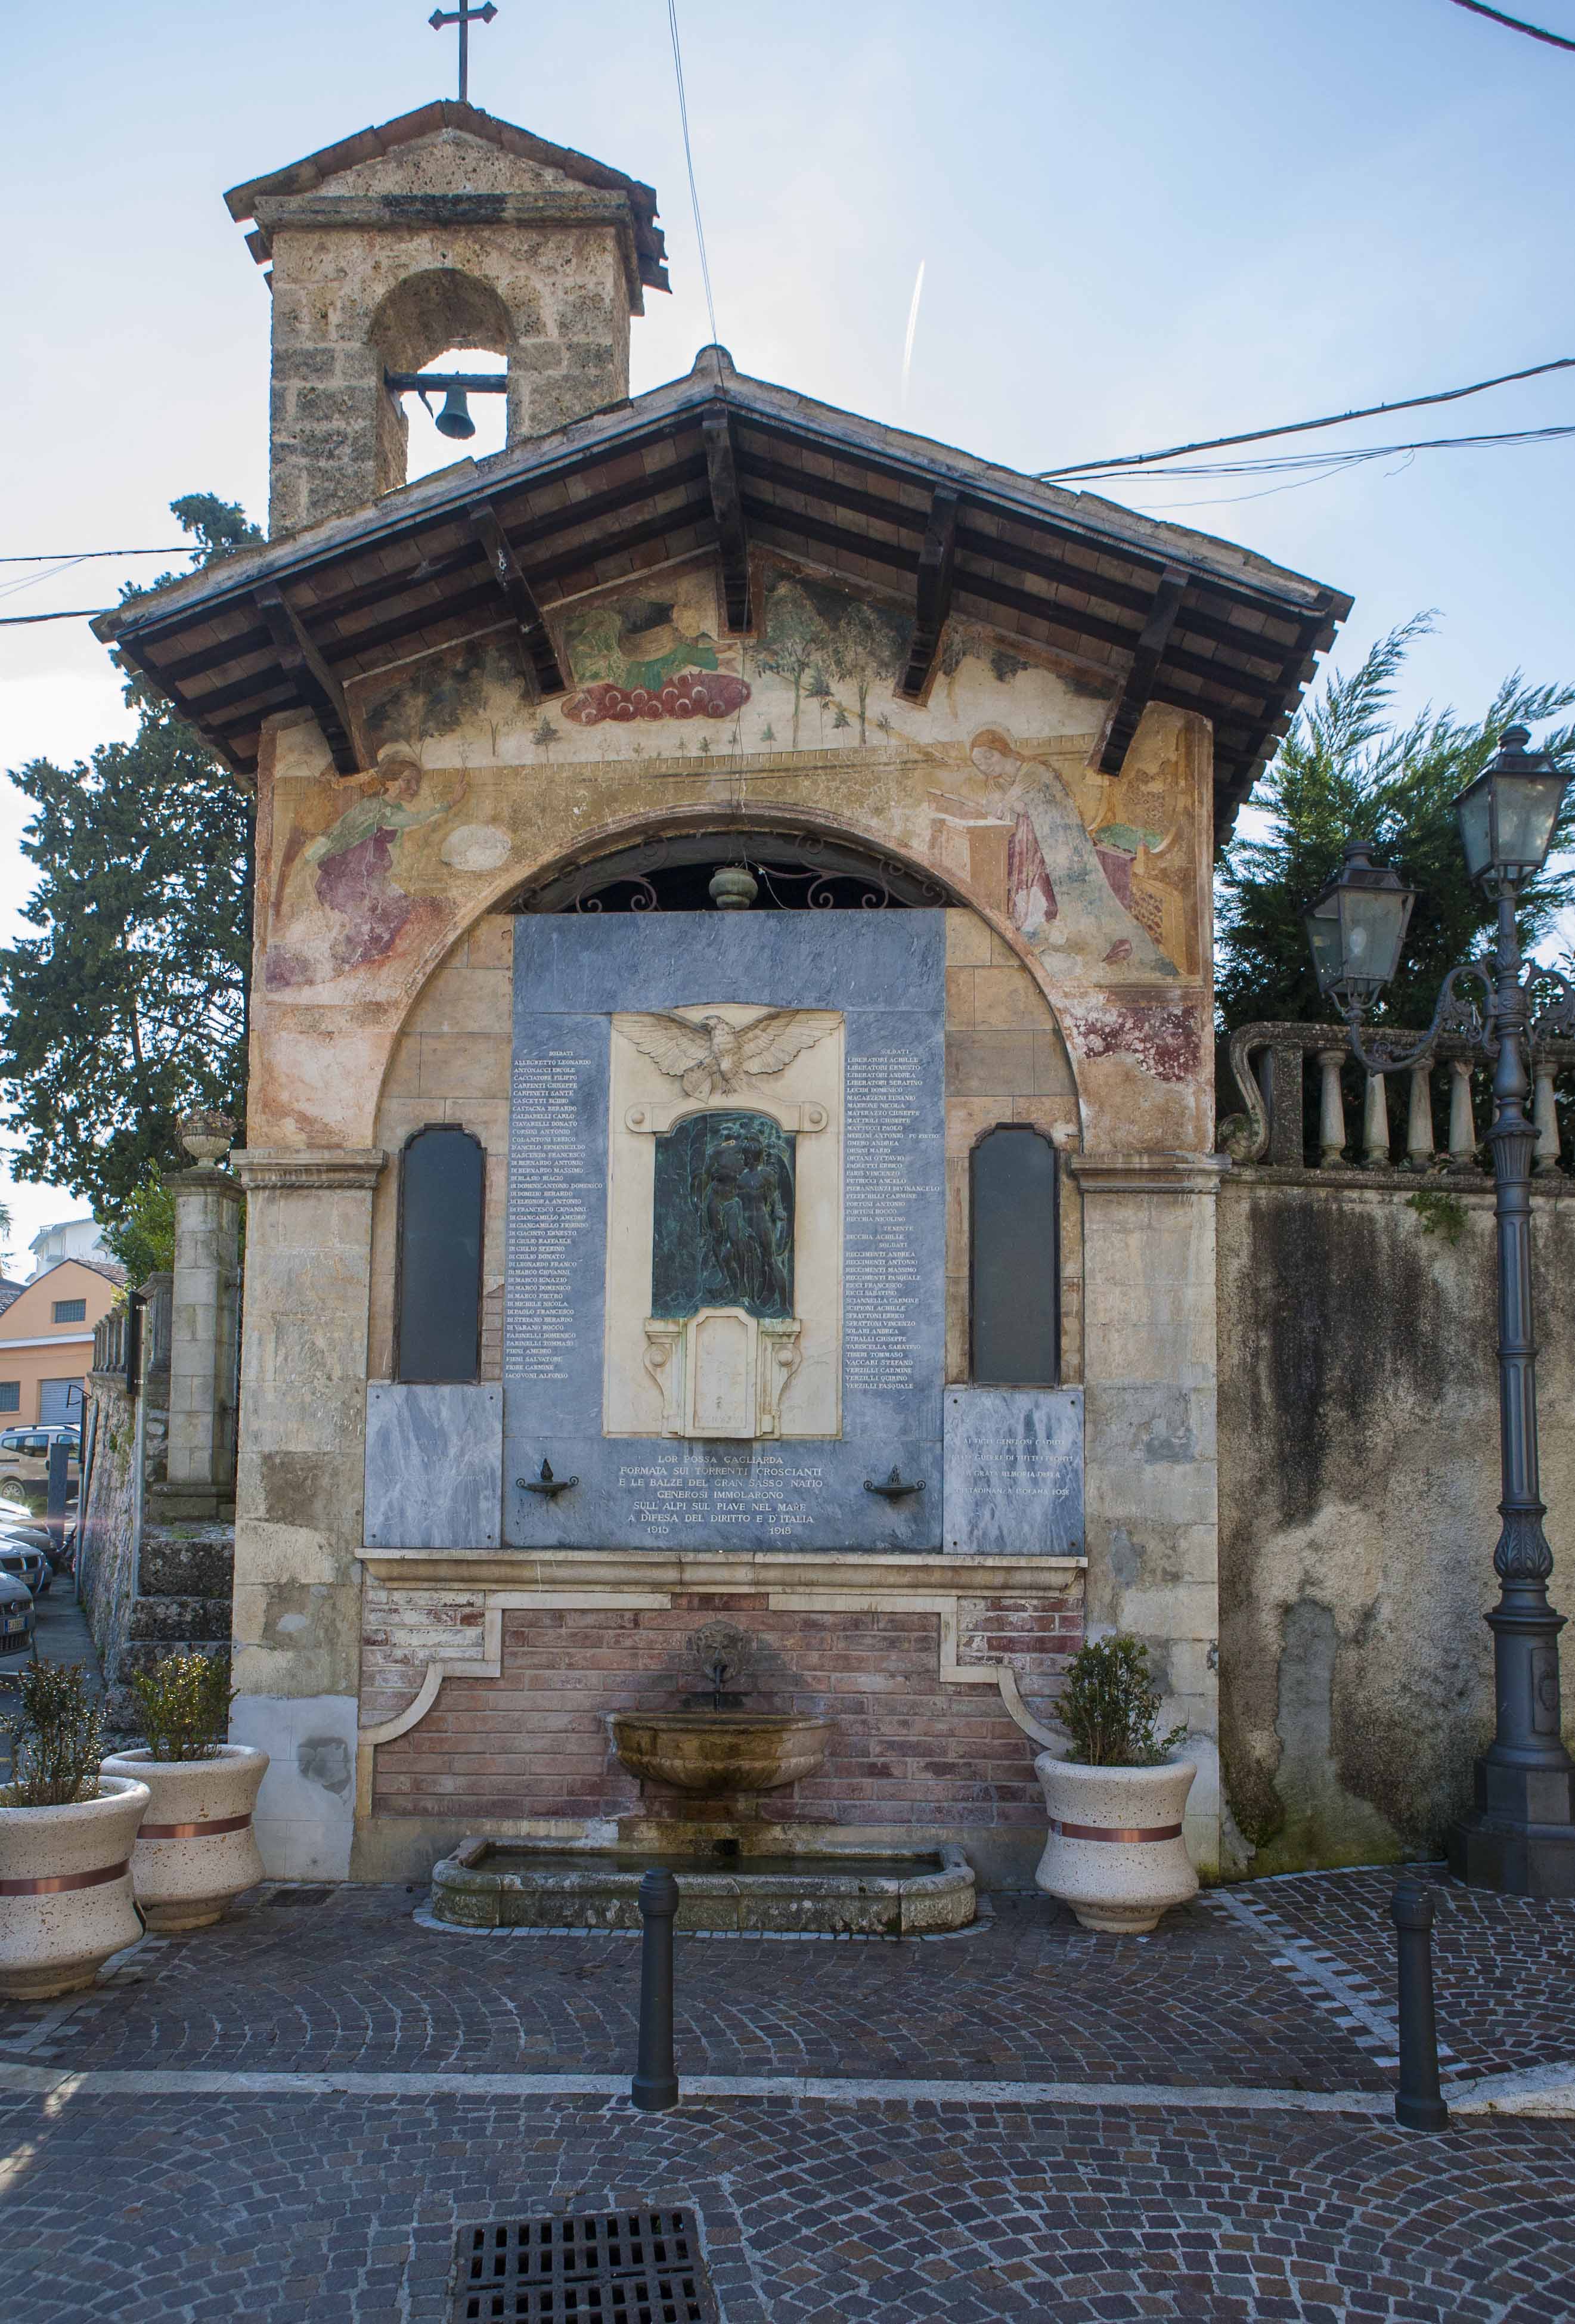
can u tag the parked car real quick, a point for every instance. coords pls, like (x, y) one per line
(17, 1617)
(28, 1562)
(24, 1453)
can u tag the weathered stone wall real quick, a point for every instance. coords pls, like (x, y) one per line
(166, 1592)
(1359, 1469)
(106, 1547)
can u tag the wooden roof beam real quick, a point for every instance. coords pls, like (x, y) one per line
(541, 652)
(727, 508)
(315, 687)
(937, 567)
(1149, 651)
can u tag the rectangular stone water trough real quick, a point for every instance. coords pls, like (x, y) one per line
(520, 1884)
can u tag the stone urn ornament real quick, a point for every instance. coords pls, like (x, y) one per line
(1115, 1852)
(195, 1850)
(67, 1833)
(207, 1135)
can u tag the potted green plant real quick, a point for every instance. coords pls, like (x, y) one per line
(67, 1832)
(1116, 1801)
(197, 1849)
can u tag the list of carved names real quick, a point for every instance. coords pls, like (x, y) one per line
(883, 1195)
(548, 1210)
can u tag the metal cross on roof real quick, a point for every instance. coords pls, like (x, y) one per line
(465, 16)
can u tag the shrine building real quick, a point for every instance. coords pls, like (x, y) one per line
(731, 1122)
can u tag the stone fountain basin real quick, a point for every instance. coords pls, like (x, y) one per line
(784, 1880)
(714, 1752)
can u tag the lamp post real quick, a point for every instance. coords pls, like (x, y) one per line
(1521, 1835)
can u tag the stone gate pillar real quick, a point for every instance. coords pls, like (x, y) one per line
(200, 1471)
(1151, 1367)
(298, 1491)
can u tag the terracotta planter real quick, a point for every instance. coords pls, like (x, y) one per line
(1115, 1853)
(66, 1889)
(197, 1849)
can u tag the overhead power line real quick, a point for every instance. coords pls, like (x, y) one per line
(689, 165)
(1301, 427)
(1285, 462)
(76, 614)
(81, 556)
(1517, 25)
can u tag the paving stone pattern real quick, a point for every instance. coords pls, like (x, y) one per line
(300, 2206)
(353, 1984)
(296, 2212)
(1504, 1967)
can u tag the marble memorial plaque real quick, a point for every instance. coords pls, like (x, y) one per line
(434, 1465)
(1014, 1471)
(724, 1301)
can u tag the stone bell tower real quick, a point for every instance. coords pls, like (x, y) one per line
(444, 229)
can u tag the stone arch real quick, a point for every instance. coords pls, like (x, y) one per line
(508, 891)
(1016, 1065)
(437, 308)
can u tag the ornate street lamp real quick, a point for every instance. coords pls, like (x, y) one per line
(1521, 1837)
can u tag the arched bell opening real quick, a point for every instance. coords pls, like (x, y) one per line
(446, 321)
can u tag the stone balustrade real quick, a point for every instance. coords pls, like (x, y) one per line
(1432, 1117)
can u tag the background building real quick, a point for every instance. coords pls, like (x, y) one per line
(46, 1340)
(68, 1238)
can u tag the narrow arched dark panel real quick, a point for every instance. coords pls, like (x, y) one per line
(437, 1288)
(1015, 1264)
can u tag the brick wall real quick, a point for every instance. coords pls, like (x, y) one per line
(535, 1742)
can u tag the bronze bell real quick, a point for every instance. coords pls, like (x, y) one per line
(455, 419)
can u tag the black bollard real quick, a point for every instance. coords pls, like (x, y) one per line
(1418, 2102)
(654, 2087)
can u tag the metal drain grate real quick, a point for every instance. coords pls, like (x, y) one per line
(615, 2267)
(300, 1897)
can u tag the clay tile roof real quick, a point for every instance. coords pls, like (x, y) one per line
(305, 176)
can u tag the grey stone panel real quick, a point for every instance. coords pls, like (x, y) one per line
(885, 973)
(1014, 1471)
(434, 1466)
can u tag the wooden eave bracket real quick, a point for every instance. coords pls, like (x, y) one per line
(315, 687)
(541, 653)
(727, 508)
(1139, 690)
(932, 595)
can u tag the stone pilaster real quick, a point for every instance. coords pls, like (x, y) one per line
(205, 1317)
(1150, 1378)
(299, 1495)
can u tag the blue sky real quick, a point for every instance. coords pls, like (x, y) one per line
(1139, 223)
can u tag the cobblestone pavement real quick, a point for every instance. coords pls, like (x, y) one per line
(300, 2203)
(1504, 1967)
(352, 1984)
(346, 2210)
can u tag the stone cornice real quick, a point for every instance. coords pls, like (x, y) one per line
(1149, 1174)
(305, 1167)
(206, 1178)
(721, 1570)
(560, 206)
